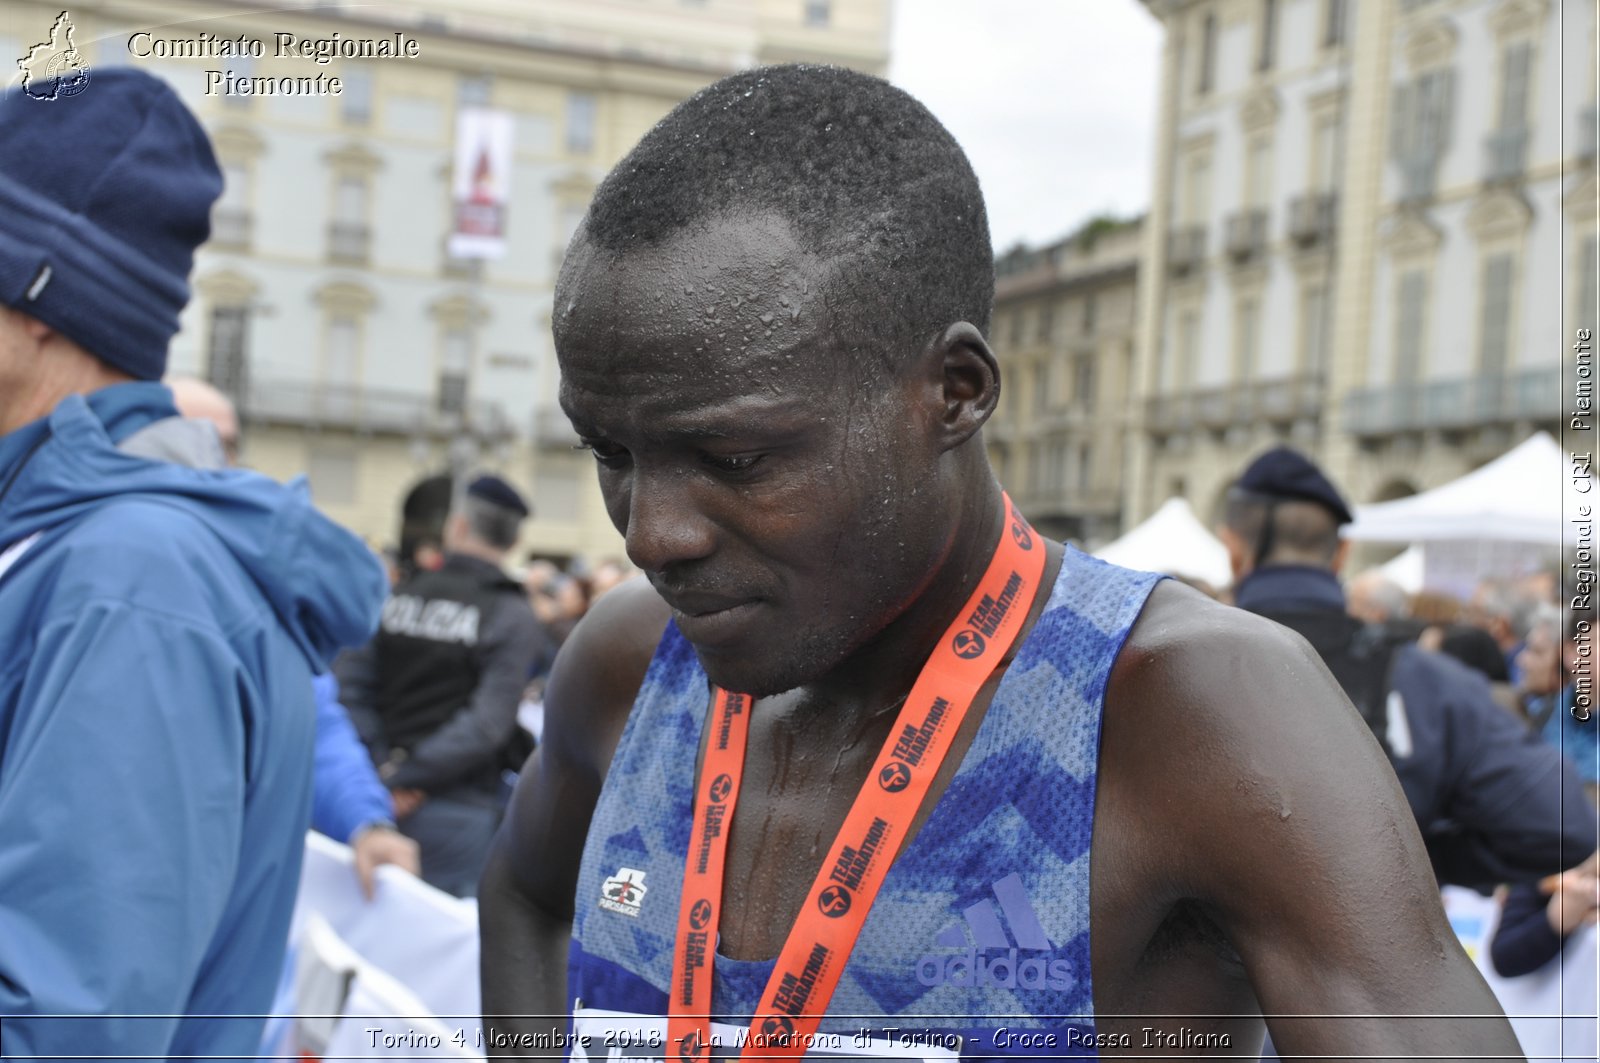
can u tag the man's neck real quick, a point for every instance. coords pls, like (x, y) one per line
(57, 375)
(858, 694)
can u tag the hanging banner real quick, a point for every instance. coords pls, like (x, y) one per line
(482, 183)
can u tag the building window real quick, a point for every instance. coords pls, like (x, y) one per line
(230, 218)
(1016, 329)
(227, 357)
(1247, 341)
(1333, 24)
(818, 12)
(355, 95)
(580, 122)
(1088, 312)
(455, 368)
(1258, 174)
(1269, 35)
(348, 235)
(1085, 466)
(1411, 304)
(1083, 383)
(1206, 79)
(1421, 131)
(1494, 332)
(1197, 190)
(1208, 54)
(1314, 330)
(1041, 386)
(1325, 155)
(1188, 354)
(474, 91)
(1508, 142)
(1047, 322)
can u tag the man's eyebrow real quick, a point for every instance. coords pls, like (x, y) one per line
(719, 421)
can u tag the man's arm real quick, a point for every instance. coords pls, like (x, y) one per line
(1278, 813)
(121, 811)
(475, 735)
(348, 803)
(356, 674)
(526, 895)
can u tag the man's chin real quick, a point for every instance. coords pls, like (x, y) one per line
(743, 675)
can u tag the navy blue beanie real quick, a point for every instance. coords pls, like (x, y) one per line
(104, 196)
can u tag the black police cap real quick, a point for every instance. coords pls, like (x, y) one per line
(497, 492)
(1285, 473)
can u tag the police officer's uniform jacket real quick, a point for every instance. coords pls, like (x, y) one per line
(1494, 803)
(442, 680)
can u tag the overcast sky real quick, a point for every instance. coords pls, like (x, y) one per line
(1053, 100)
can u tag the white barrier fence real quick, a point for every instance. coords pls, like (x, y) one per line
(397, 978)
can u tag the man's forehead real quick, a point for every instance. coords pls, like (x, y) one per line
(708, 274)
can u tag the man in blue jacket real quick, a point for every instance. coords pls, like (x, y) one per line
(1494, 803)
(159, 624)
(348, 802)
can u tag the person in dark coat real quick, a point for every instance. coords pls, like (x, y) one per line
(1493, 803)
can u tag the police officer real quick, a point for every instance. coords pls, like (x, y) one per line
(1493, 803)
(435, 693)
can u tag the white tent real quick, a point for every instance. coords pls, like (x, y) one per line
(1405, 571)
(1172, 540)
(1523, 496)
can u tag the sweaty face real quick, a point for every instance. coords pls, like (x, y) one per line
(770, 487)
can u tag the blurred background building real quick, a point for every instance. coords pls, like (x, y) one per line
(328, 304)
(1371, 235)
(1063, 330)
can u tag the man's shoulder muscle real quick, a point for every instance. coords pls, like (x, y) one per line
(1226, 713)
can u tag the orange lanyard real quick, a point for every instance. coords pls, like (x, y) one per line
(819, 944)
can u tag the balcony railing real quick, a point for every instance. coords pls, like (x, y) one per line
(1464, 402)
(1186, 248)
(230, 229)
(1286, 399)
(369, 410)
(1417, 175)
(1169, 413)
(1505, 152)
(349, 243)
(1313, 218)
(1246, 235)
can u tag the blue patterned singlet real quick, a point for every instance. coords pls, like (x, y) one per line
(981, 928)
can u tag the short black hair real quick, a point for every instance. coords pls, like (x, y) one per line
(866, 175)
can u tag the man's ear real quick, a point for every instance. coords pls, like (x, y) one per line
(1341, 554)
(1239, 552)
(967, 381)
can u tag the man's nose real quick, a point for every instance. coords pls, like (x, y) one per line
(665, 523)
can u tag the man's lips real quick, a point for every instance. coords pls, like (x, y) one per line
(709, 619)
(700, 603)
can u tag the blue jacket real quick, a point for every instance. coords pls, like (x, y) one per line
(158, 637)
(1493, 802)
(346, 792)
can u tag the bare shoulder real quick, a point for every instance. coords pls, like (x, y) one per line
(1247, 736)
(598, 672)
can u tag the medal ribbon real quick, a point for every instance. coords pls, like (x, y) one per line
(830, 920)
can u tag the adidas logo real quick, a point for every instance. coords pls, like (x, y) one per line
(989, 958)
